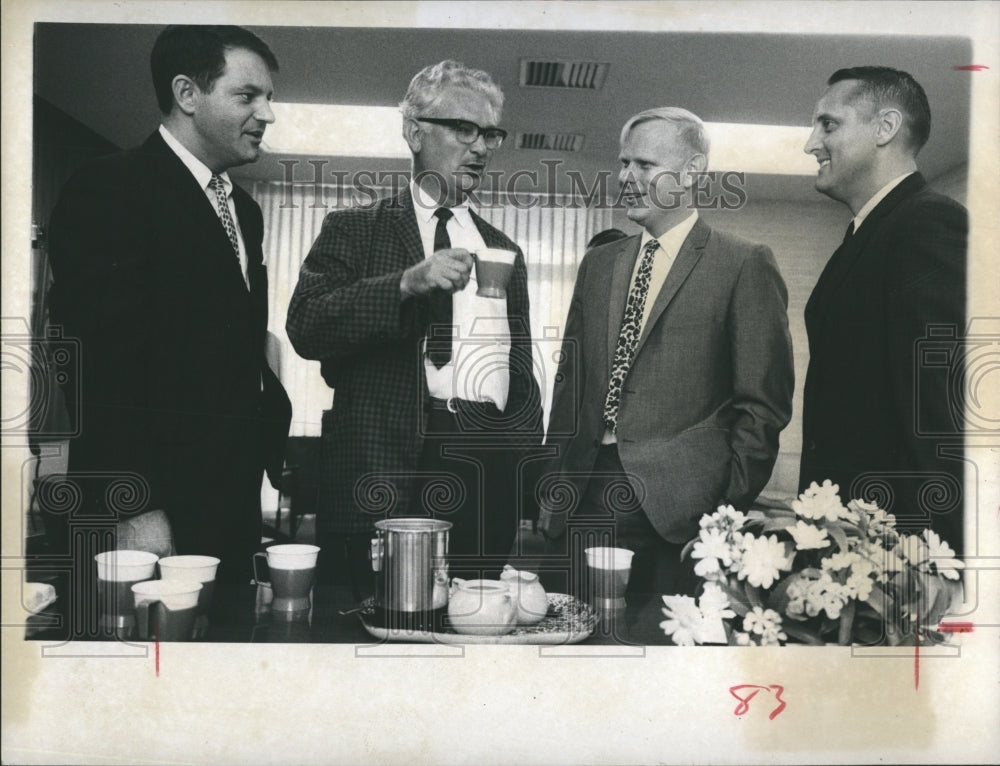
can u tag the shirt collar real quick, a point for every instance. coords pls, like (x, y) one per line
(202, 174)
(880, 195)
(672, 239)
(424, 207)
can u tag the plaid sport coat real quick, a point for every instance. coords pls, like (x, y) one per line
(347, 312)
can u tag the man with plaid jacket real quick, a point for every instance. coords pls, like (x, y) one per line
(435, 399)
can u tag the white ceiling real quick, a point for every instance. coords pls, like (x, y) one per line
(99, 74)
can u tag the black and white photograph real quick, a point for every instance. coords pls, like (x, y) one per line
(422, 382)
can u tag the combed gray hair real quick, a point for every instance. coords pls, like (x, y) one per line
(430, 83)
(689, 126)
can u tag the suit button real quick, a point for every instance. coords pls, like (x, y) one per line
(811, 446)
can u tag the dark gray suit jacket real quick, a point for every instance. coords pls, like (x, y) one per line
(346, 312)
(708, 392)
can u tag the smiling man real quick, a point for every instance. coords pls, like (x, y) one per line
(158, 271)
(434, 390)
(873, 412)
(676, 375)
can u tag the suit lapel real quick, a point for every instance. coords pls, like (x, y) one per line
(621, 281)
(846, 257)
(189, 206)
(687, 258)
(401, 225)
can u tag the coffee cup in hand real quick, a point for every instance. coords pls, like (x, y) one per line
(493, 269)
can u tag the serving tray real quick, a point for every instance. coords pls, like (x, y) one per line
(568, 621)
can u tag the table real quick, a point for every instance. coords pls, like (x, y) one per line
(239, 614)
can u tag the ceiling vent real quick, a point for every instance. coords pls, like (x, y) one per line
(556, 142)
(579, 75)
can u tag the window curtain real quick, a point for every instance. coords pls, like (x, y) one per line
(551, 230)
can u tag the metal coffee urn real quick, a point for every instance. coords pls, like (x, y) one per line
(410, 560)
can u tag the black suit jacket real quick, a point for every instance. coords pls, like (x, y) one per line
(174, 392)
(876, 406)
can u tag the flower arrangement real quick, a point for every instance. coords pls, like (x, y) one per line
(817, 572)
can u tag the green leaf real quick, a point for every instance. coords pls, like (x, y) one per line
(754, 595)
(878, 600)
(777, 525)
(838, 536)
(688, 548)
(803, 634)
(846, 623)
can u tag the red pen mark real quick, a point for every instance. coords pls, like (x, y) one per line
(157, 643)
(744, 705)
(970, 68)
(956, 627)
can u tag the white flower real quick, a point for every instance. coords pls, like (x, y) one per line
(743, 639)
(689, 623)
(715, 601)
(773, 637)
(859, 584)
(763, 559)
(821, 503)
(825, 595)
(877, 521)
(683, 619)
(942, 556)
(839, 561)
(733, 518)
(712, 543)
(860, 506)
(808, 537)
(763, 622)
(708, 569)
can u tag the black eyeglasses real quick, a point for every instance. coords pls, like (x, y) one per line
(467, 132)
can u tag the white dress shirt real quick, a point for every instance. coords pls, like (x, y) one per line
(663, 259)
(203, 175)
(479, 368)
(879, 196)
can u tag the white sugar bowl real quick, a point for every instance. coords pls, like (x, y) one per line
(529, 595)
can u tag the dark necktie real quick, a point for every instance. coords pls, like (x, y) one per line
(628, 338)
(441, 330)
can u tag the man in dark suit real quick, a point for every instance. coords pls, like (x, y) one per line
(676, 376)
(873, 416)
(433, 385)
(158, 271)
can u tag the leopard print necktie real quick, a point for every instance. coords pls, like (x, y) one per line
(628, 338)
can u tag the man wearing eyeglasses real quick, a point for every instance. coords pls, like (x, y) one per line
(434, 391)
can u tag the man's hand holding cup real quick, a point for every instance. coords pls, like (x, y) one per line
(448, 269)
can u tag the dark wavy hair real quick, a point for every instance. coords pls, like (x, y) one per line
(199, 51)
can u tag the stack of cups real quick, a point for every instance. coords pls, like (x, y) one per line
(134, 604)
(117, 572)
(194, 569)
